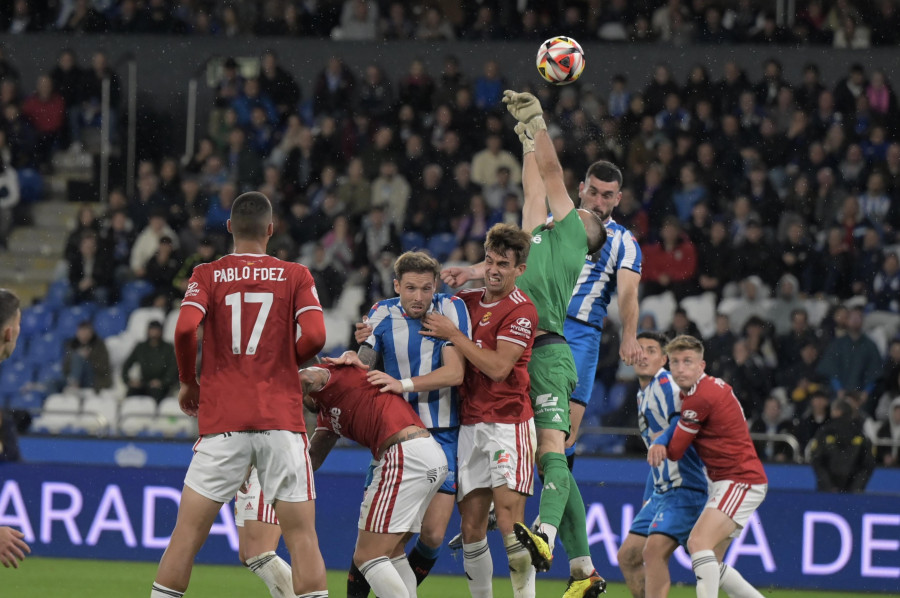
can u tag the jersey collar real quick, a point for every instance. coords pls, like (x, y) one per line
(696, 384)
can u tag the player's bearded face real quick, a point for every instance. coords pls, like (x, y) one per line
(600, 197)
(416, 290)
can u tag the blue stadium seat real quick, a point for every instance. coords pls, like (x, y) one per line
(15, 376)
(412, 241)
(441, 245)
(133, 292)
(70, 317)
(45, 349)
(50, 374)
(31, 401)
(110, 321)
(57, 294)
(31, 185)
(36, 319)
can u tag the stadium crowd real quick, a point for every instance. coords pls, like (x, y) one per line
(777, 196)
(841, 24)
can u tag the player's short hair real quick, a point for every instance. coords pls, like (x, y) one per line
(251, 215)
(684, 342)
(605, 171)
(661, 339)
(417, 262)
(9, 305)
(507, 237)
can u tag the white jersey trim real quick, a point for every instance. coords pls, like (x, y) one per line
(197, 305)
(303, 309)
(512, 340)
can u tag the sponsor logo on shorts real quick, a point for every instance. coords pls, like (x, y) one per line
(546, 400)
(502, 457)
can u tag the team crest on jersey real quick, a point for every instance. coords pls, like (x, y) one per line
(485, 319)
(192, 290)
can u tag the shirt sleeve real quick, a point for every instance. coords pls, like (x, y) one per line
(455, 309)
(629, 253)
(197, 292)
(306, 298)
(378, 314)
(694, 414)
(518, 326)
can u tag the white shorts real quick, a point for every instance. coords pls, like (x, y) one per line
(404, 481)
(221, 462)
(492, 455)
(249, 504)
(738, 500)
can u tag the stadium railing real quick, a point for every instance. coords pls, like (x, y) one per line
(788, 439)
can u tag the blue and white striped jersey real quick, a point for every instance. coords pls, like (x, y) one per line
(597, 281)
(657, 405)
(406, 353)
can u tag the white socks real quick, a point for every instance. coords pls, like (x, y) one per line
(734, 584)
(706, 568)
(318, 594)
(383, 578)
(479, 569)
(581, 567)
(401, 564)
(521, 571)
(275, 572)
(160, 591)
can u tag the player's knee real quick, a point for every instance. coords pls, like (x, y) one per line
(431, 537)
(630, 557)
(652, 553)
(696, 544)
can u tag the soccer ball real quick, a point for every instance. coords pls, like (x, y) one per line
(560, 60)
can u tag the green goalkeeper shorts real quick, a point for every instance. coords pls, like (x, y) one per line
(553, 378)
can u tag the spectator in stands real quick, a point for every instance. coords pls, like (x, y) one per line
(433, 26)
(830, 272)
(397, 24)
(90, 112)
(359, 21)
(86, 220)
(748, 375)
(810, 416)
(771, 421)
(885, 295)
(90, 273)
(786, 303)
(890, 431)
(714, 258)
(333, 89)
(681, 324)
(206, 252)
(279, 85)
(162, 268)
(45, 109)
(242, 164)
(671, 263)
(86, 360)
(842, 456)
(147, 243)
(795, 247)
(756, 255)
(9, 199)
(329, 280)
(852, 362)
(150, 369)
(354, 190)
(377, 234)
(391, 190)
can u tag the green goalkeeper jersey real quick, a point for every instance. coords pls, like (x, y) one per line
(554, 262)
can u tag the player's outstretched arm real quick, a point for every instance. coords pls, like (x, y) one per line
(528, 111)
(534, 209)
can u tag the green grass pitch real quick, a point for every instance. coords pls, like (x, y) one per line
(72, 578)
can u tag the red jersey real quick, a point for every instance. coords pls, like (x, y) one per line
(712, 418)
(351, 406)
(512, 319)
(248, 377)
